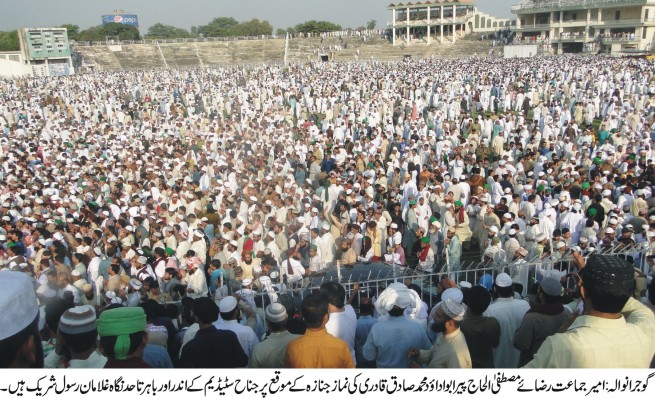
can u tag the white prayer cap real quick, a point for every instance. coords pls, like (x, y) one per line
(493, 229)
(503, 280)
(452, 293)
(78, 320)
(560, 244)
(464, 284)
(246, 282)
(394, 225)
(276, 312)
(136, 284)
(453, 309)
(18, 304)
(142, 260)
(609, 230)
(227, 304)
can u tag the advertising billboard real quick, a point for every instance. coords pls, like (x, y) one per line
(126, 19)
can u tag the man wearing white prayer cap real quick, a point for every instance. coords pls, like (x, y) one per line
(382, 344)
(20, 343)
(509, 312)
(230, 309)
(450, 349)
(199, 245)
(270, 352)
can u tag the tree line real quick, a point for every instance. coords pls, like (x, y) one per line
(217, 27)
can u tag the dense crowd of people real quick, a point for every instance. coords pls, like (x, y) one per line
(158, 218)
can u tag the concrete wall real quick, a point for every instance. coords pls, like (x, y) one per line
(10, 68)
(609, 14)
(522, 51)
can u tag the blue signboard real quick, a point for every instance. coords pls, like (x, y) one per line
(59, 69)
(126, 19)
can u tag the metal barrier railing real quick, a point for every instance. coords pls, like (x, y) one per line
(527, 274)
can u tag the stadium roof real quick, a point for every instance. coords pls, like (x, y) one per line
(431, 2)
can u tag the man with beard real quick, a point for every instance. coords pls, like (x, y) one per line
(425, 255)
(134, 293)
(247, 265)
(450, 349)
(541, 321)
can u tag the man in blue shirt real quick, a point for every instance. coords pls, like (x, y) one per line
(389, 340)
(364, 324)
(215, 272)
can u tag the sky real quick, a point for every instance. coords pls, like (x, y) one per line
(186, 13)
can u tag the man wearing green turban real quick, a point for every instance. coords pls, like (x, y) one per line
(123, 337)
(425, 256)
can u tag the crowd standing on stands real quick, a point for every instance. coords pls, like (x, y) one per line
(158, 218)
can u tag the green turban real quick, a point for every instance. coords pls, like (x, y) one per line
(540, 188)
(487, 187)
(597, 161)
(592, 212)
(433, 219)
(459, 203)
(313, 247)
(170, 251)
(425, 239)
(585, 185)
(412, 202)
(121, 322)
